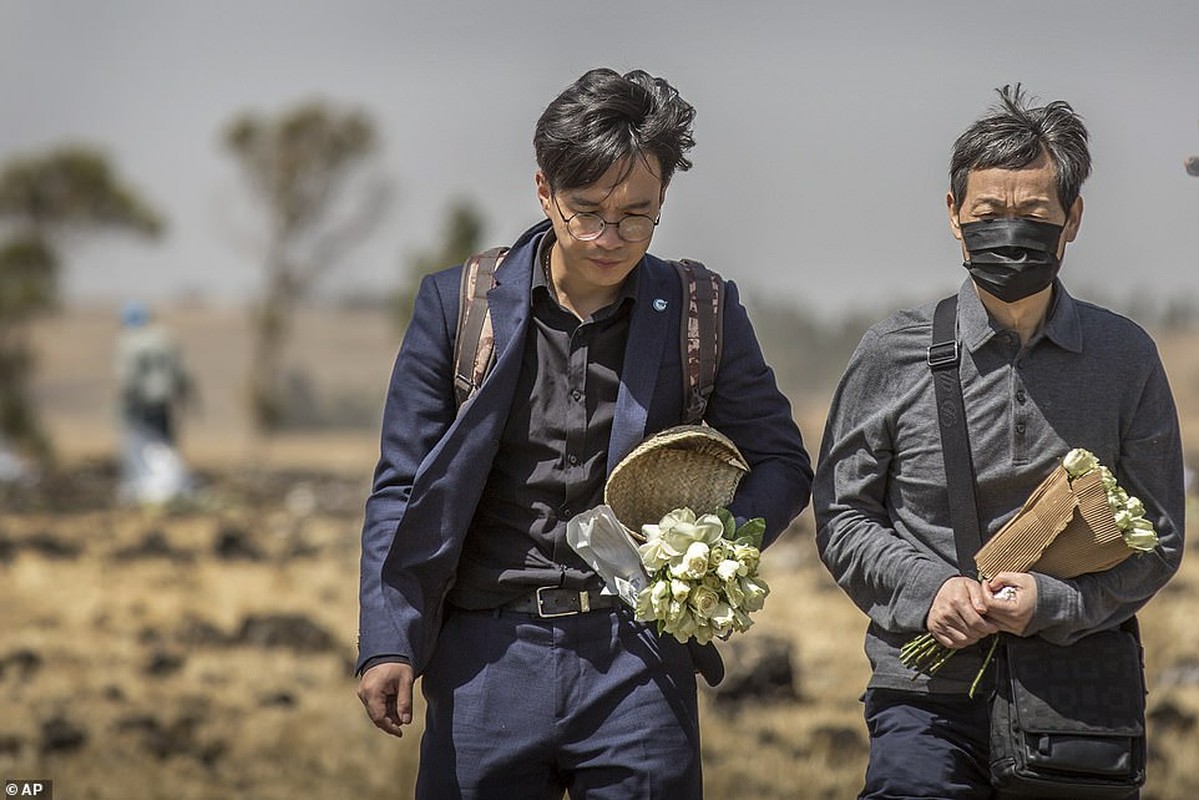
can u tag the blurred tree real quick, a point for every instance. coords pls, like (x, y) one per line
(299, 166)
(45, 202)
(461, 238)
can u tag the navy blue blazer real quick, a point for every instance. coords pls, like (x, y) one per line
(434, 459)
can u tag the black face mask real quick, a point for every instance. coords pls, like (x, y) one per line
(1012, 258)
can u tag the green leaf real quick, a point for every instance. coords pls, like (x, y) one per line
(753, 531)
(730, 524)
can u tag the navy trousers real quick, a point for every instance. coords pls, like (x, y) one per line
(595, 705)
(929, 746)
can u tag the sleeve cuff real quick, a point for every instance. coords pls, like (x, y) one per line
(1056, 600)
(916, 596)
(374, 661)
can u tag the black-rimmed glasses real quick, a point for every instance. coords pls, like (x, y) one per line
(587, 227)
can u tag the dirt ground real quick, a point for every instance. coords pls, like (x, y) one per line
(205, 651)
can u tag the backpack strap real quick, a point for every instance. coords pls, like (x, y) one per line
(699, 340)
(474, 343)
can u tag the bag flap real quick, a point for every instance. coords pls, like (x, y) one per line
(1093, 687)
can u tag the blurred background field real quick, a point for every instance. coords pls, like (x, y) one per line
(205, 651)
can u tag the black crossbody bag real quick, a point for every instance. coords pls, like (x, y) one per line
(1065, 721)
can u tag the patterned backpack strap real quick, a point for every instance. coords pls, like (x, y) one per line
(474, 343)
(702, 326)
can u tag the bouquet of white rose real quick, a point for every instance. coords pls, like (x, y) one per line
(697, 577)
(703, 573)
(695, 574)
(1078, 520)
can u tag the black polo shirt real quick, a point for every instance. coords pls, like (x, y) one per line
(553, 455)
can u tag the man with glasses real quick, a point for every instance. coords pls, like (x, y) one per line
(535, 683)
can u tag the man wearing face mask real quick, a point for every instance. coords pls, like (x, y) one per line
(1041, 373)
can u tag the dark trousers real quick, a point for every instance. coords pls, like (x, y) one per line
(593, 704)
(928, 746)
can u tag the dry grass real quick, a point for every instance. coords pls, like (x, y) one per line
(138, 648)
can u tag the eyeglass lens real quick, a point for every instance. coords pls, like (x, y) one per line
(632, 228)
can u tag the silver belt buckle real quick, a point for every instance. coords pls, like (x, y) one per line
(584, 604)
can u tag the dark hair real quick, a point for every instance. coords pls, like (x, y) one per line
(603, 118)
(1015, 135)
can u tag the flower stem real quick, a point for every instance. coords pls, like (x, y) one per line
(983, 668)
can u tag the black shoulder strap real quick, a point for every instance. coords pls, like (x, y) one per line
(474, 344)
(701, 327)
(944, 358)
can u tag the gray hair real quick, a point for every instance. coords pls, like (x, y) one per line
(1015, 135)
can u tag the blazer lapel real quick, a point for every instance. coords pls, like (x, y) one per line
(508, 301)
(649, 330)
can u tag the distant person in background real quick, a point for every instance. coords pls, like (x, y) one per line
(154, 387)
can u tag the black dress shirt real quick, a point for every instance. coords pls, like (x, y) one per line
(553, 455)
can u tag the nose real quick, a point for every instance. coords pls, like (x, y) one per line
(609, 238)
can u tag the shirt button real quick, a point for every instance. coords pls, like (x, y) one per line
(1020, 396)
(1020, 427)
(576, 395)
(566, 513)
(573, 460)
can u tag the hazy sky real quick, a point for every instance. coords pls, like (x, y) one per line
(823, 129)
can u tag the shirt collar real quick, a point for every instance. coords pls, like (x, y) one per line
(1061, 326)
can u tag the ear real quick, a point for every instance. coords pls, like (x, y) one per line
(1073, 220)
(544, 193)
(955, 225)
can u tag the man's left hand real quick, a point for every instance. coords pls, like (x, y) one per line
(1011, 599)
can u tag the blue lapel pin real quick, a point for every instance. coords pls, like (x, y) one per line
(659, 304)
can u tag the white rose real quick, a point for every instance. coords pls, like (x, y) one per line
(721, 618)
(703, 601)
(1079, 462)
(653, 602)
(694, 563)
(1135, 507)
(683, 626)
(654, 553)
(729, 569)
(734, 592)
(741, 621)
(749, 557)
(755, 590)
(680, 590)
(720, 550)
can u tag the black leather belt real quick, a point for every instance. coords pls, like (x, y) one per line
(553, 601)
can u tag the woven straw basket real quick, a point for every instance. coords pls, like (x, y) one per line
(1064, 529)
(688, 465)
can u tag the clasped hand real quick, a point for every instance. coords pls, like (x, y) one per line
(965, 610)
